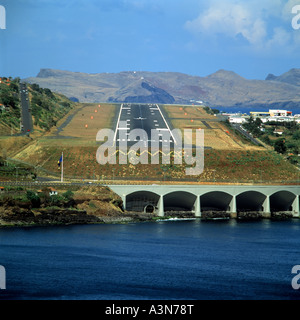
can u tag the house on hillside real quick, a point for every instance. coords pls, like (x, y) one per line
(278, 131)
(52, 191)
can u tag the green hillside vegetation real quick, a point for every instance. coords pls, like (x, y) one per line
(284, 137)
(46, 107)
(11, 171)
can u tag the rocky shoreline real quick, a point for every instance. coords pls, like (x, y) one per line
(97, 205)
(247, 215)
(18, 217)
(82, 206)
(64, 217)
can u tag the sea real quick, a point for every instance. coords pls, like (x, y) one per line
(165, 260)
(247, 110)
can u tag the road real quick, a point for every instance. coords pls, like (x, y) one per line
(143, 116)
(240, 129)
(26, 119)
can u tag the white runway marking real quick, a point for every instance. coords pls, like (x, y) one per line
(166, 124)
(117, 126)
(125, 125)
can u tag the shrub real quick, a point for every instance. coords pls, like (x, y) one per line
(33, 198)
(296, 135)
(279, 146)
(68, 195)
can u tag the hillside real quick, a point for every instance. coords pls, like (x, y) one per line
(220, 89)
(228, 157)
(46, 107)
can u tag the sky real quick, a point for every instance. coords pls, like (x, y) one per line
(198, 37)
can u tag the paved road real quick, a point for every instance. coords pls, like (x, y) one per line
(142, 116)
(26, 119)
(240, 129)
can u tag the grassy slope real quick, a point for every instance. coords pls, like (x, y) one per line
(47, 109)
(230, 160)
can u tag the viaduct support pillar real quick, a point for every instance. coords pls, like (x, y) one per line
(296, 209)
(267, 209)
(161, 212)
(198, 207)
(233, 211)
(124, 201)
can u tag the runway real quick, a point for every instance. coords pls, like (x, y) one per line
(147, 117)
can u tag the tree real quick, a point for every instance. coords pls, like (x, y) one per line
(279, 146)
(68, 195)
(266, 139)
(296, 135)
(34, 199)
(251, 119)
(7, 98)
(258, 122)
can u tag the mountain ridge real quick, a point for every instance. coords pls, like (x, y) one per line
(291, 77)
(222, 88)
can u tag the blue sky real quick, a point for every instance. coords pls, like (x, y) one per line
(197, 37)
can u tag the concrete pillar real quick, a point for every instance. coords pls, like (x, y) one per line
(198, 207)
(161, 212)
(124, 201)
(233, 211)
(267, 209)
(296, 209)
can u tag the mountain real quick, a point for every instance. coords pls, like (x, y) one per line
(220, 89)
(291, 77)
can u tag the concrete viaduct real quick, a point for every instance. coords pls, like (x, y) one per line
(198, 198)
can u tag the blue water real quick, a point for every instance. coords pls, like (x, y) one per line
(247, 110)
(159, 260)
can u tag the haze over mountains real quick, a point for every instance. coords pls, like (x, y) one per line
(220, 89)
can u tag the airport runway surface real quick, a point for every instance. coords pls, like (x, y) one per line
(147, 117)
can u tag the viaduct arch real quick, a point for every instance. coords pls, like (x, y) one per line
(199, 198)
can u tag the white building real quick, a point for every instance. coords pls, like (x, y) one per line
(280, 113)
(237, 120)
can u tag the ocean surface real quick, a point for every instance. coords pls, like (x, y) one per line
(295, 110)
(189, 260)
